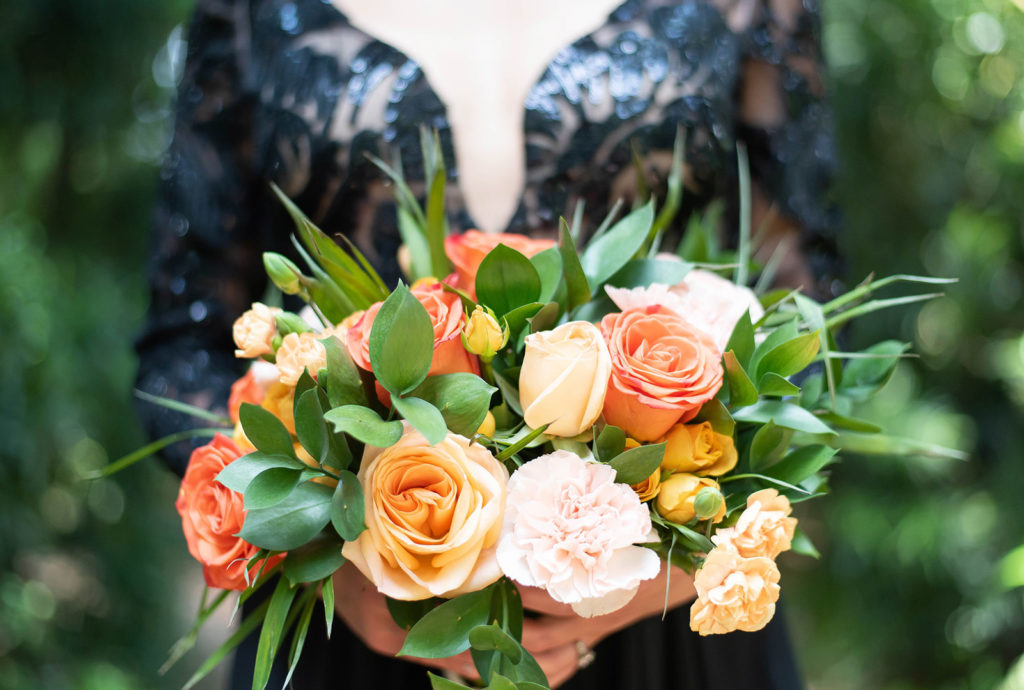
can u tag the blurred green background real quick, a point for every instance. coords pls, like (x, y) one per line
(921, 580)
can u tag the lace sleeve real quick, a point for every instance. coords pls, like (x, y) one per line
(204, 266)
(787, 123)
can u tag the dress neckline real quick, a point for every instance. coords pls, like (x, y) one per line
(509, 222)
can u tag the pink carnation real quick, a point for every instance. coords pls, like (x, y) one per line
(571, 529)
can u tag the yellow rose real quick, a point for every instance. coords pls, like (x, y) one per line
(254, 330)
(678, 492)
(648, 488)
(433, 517)
(488, 425)
(764, 528)
(564, 378)
(734, 593)
(242, 441)
(697, 448)
(280, 402)
(300, 351)
(483, 335)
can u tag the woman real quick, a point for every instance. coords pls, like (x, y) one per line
(539, 104)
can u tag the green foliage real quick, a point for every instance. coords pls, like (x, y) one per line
(637, 464)
(401, 363)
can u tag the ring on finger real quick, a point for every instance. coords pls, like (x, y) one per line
(584, 655)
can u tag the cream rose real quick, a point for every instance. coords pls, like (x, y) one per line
(764, 528)
(734, 593)
(254, 330)
(433, 517)
(564, 378)
(300, 351)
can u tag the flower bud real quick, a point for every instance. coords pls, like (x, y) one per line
(708, 503)
(284, 274)
(288, 322)
(487, 426)
(483, 335)
(678, 495)
(424, 282)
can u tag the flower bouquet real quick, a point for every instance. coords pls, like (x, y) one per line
(523, 413)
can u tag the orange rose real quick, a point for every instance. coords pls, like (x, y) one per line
(699, 449)
(433, 517)
(734, 593)
(244, 390)
(764, 528)
(663, 370)
(467, 250)
(211, 514)
(448, 319)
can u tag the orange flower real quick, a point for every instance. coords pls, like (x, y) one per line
(698, 448)
(280, 402)
(764, 528)
(211, 514)
(300, 351)
(448, 319)
(254, 330)
(734, 593)
(467, 250)
(245, 390)
(678, 494)
(663, 370)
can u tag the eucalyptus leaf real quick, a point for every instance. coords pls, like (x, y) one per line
(365, 425)
(637, 464)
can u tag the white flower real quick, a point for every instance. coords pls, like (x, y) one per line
(571, 529)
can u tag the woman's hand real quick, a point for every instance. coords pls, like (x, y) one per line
(552, 638)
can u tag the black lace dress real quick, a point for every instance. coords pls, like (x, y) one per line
(289, 91)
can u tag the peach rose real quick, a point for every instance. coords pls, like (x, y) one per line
(433, 517)
(734, 593)
(244, 390)
(467, 250)
(705, 299)
(764, 528)
(678, 493)
(448, 320)
(564, 378)
(699, 449)
(280, 402)
(663, 370)
(571, 529)
(255, 330)
(298, 352)
(211, 515)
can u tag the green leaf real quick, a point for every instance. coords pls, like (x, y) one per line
(310, 426)
(308, 603)
(545, 319)
(506, 279)
(773, 384)
(270, 487)
(744, 250)
(741, 388)
(344, 386)
(272, 632)
(522, 442)
(577, 287)
(790, 357)
(348, 508)
(549, 267)
(741, 342)
(784, 414)
(768, 445)
(783, 333)
(645, 272)
(327, 594)
(851, 423)
(518, 317)
(245, 628)
(610, 443)
(147, 450)
(605, 255)
(878, 305)
(500, 682)
(401, 363)
(463, 400)
(442, 683)
(637, 464)
(863, 376)
(365, 425)
(314, 561)
(445, 630)
(184, 408)
(491, 638)
(407, 613)
(801, 463)
(415, 239)
(292, 522)
(715, 412)
(803, 545)
(509, 392)
(188, 641)
(437, 223)
(423, 416)
(239, 473)
(265, 431)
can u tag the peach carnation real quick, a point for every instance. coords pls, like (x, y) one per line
(764, 528)
(734, 593)
(300, 351)
(254, 331)
(571, 529)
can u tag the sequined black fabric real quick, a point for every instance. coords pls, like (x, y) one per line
(289, 91)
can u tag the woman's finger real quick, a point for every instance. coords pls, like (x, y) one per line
(559, 664)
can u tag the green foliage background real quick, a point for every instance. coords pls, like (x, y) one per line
(920, 583)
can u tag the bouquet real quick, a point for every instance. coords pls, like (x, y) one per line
(522, 413)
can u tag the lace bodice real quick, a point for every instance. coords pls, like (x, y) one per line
(292, 92)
